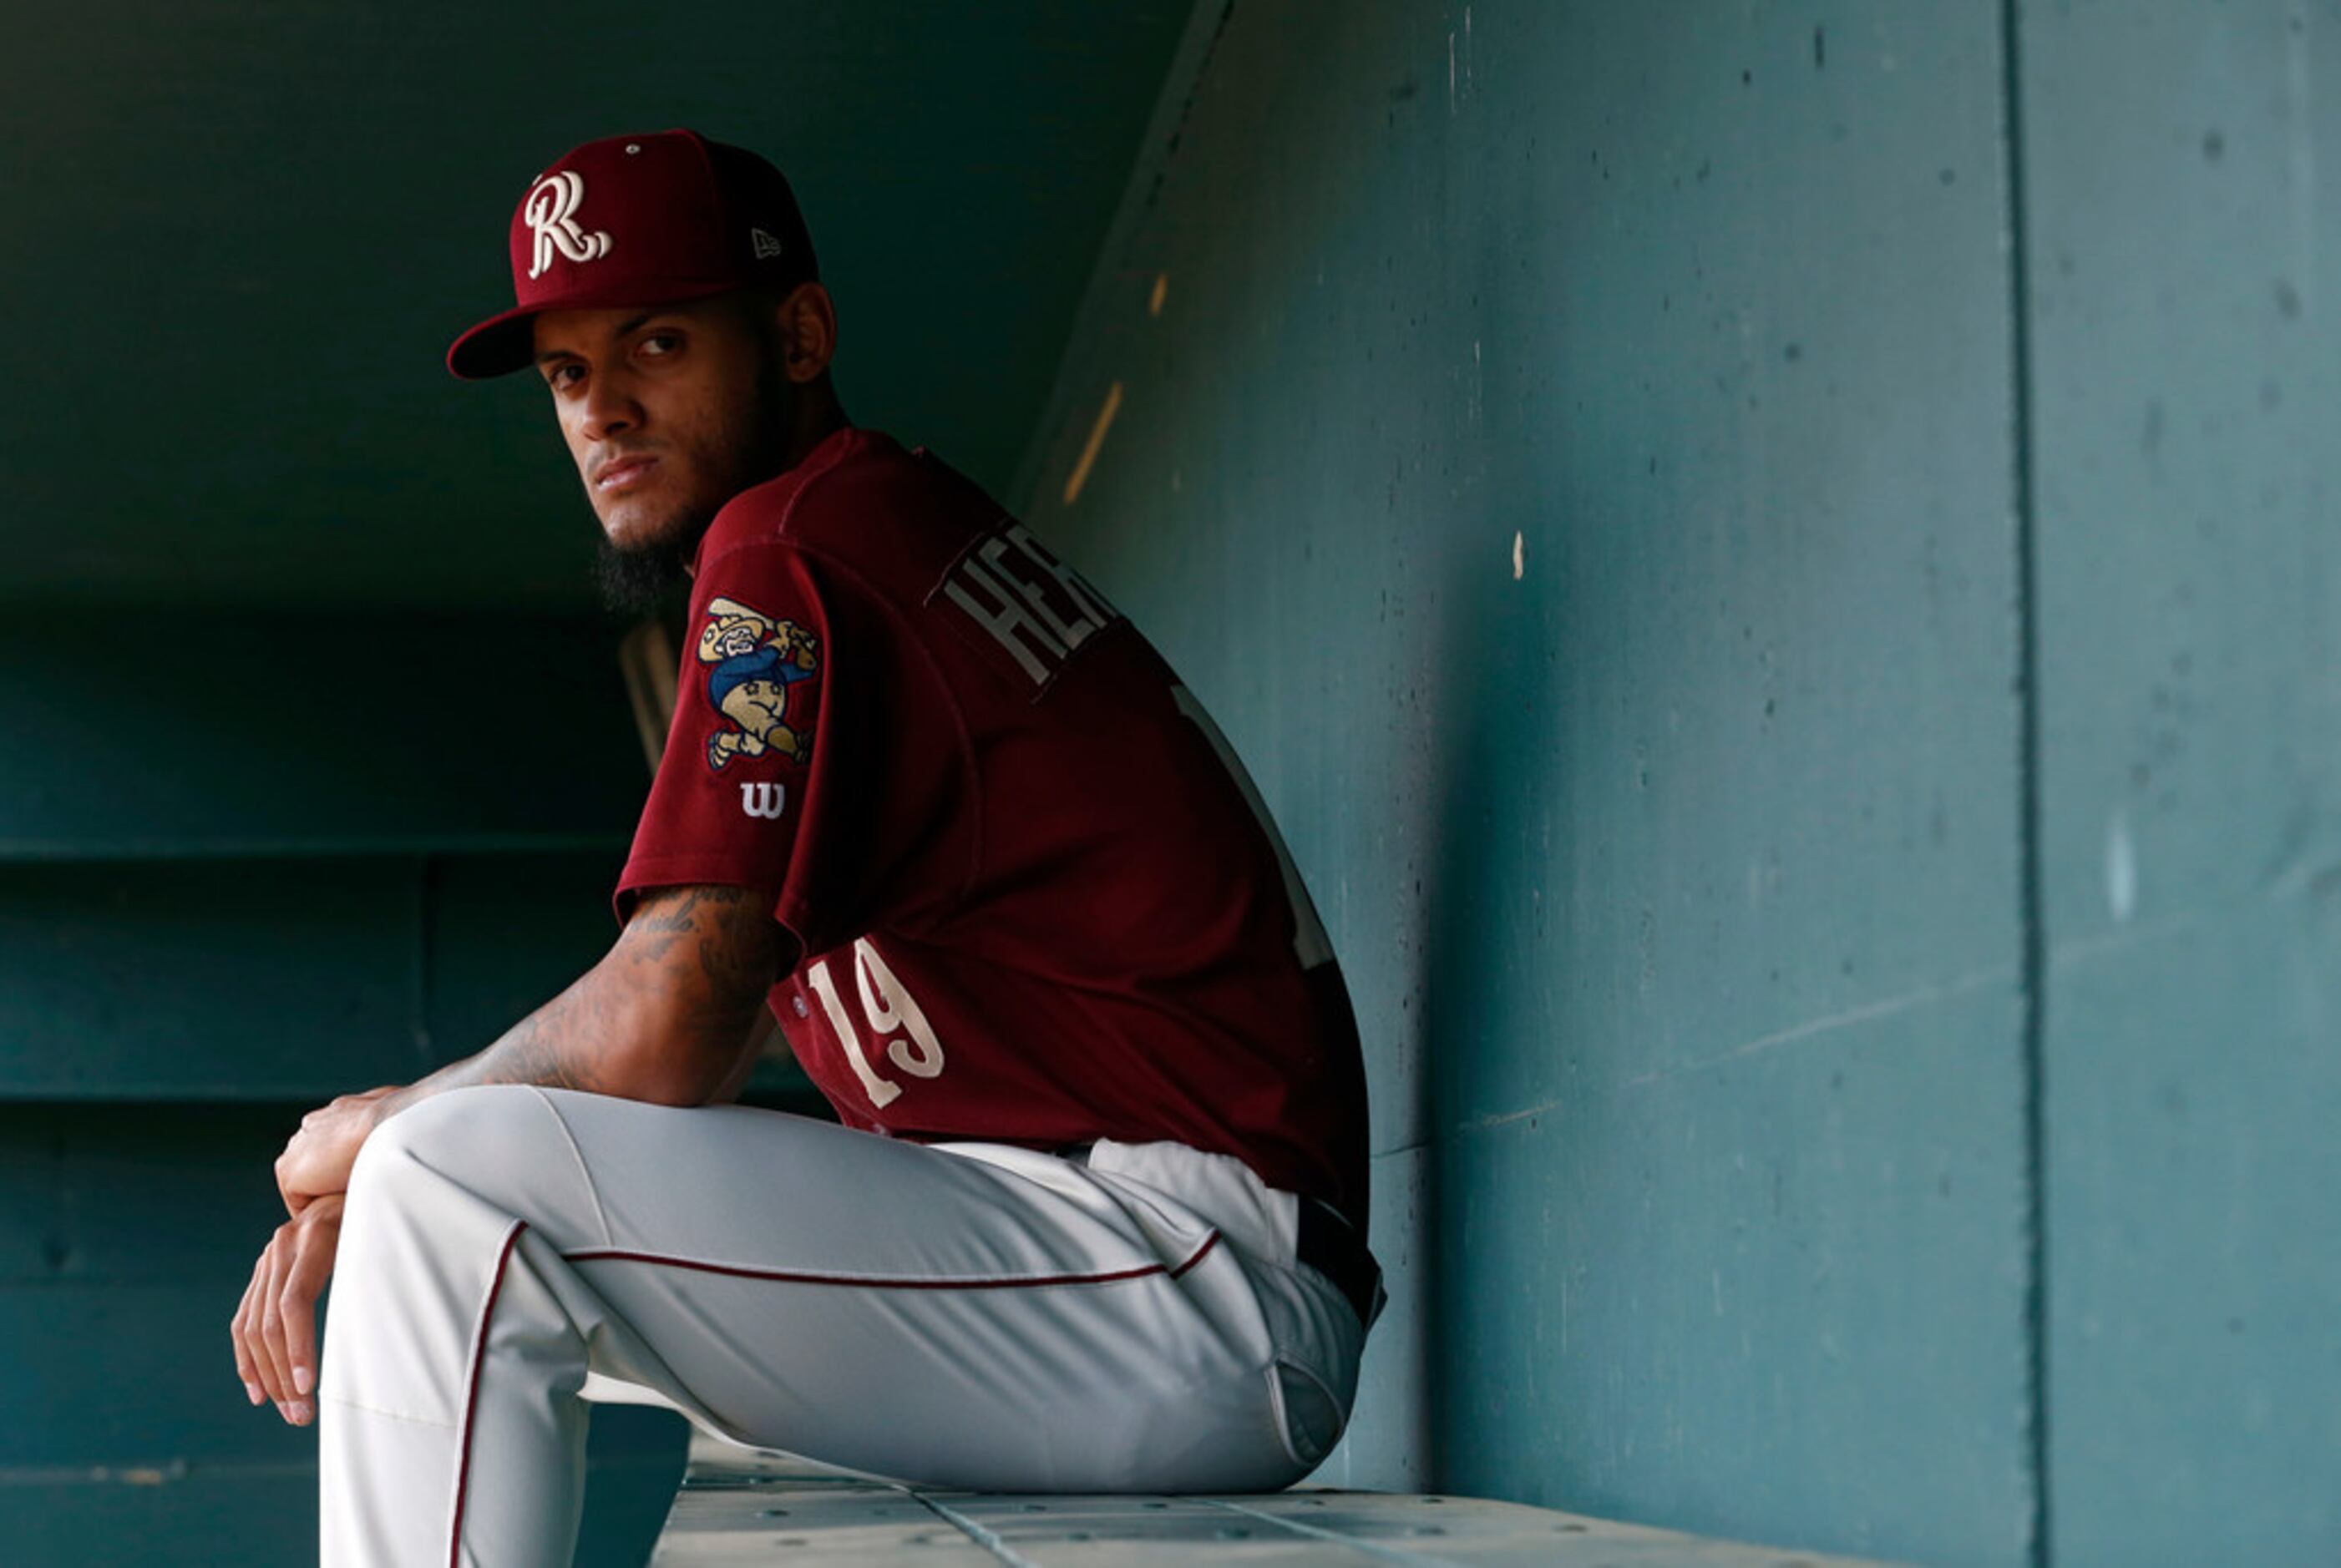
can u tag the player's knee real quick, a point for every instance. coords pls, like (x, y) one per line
(446, 1132)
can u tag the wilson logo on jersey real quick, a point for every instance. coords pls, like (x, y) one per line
(1024, 599)
(547, 214)
(754, 665)
(764, 800)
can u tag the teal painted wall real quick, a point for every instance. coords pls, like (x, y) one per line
(246, 866)
(1781, 591)
(2184, 250)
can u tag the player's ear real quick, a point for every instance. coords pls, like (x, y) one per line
(805, 320)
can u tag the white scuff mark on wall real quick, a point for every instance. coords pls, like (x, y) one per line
(2121, 869)
(1520, 556)
(1467, 50)
(1458, 64)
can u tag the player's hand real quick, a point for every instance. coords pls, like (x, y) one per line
(275, 1328)
(317, 1160)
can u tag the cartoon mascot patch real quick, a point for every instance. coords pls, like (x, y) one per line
(753, 661)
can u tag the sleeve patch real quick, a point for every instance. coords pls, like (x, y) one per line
(754, 665)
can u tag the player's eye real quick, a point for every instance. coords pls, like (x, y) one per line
(660, 344)
(564, 375)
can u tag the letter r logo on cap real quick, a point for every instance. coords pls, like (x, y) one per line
(547, 213)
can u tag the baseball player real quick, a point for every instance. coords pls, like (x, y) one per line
(1094, 1218)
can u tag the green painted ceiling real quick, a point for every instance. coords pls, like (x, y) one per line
(235, 238)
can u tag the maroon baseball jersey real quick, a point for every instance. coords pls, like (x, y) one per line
(1037, 898)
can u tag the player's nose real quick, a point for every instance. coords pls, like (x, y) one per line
(610, 408)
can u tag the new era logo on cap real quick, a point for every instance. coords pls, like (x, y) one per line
(645, 220)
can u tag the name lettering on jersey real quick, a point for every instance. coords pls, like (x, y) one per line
(764, 800)
(1024, 599)
(547, 213)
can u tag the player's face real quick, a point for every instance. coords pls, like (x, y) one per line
(666, 413)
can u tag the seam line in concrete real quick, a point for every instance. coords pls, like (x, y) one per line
(1365, 1548)
(975, 1531)
(1925, 996)
(1506, 1118)
(2031, 914)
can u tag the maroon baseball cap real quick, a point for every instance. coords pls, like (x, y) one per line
(643, 220)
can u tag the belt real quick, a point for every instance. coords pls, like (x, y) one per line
(1327, 1243)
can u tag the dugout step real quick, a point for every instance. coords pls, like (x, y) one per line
(741, 1506)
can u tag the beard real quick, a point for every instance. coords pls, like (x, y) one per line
(639, 579)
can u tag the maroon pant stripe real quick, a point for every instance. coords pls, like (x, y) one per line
(472, 1394)
(1210, 1241)
(796, 1276)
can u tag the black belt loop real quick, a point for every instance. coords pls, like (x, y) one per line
(1331, 1245)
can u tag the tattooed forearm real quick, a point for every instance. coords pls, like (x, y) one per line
(740, 948)
(530, 1053)
(670, 914)
(664, 1017)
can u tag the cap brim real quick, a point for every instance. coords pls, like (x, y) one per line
(506, 342)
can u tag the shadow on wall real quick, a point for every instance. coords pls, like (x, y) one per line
(1496, 789)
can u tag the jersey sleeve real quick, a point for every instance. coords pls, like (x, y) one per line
(815, 754)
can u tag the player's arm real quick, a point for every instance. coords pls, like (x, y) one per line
(672, 1015)
(664, 1016)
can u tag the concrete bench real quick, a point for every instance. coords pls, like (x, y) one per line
(739, 1506)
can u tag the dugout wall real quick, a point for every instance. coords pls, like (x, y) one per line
(1778, 565)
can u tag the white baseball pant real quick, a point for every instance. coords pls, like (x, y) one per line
(969, 1315)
